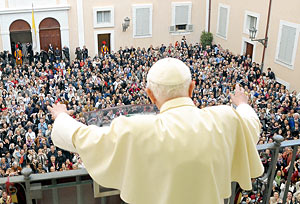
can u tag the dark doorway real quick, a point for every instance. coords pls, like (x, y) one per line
(104, 37)
(50, 34)
(20, 33)
(249, 49)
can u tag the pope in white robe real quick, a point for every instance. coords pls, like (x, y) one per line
(183, 155)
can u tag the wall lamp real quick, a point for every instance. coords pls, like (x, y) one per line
(252, 32)
(126, 23)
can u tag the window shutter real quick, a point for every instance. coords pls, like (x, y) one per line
(181, 15)
(222, 21)
(287, 41)
(142, 21)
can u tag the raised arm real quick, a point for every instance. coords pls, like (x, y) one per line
(64, 127)
(93, 143)
(240, 99)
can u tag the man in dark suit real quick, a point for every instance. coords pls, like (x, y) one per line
(60, 158)
(53, 163)
(66, 53)
(85, 53)
(57, 54)
(271, 74)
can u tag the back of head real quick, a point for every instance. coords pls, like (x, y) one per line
(169, 78)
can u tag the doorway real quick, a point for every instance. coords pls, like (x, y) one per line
(20, 35)
(50, 34)
(249, 49)
(104, 38)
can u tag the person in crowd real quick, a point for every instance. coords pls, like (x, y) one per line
(57, 54)
(61, 159)
(51, 53)
(5, 198)
(78, 53)
(104, 49)
(275, 198)
(66, 54)
(18, 55)
(53, 164)
(270, 74)
(85, 53)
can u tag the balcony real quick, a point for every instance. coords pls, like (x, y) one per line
(74, 185)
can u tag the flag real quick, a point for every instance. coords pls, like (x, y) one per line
(34, 41)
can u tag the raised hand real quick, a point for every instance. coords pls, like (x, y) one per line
(58, 108)
(239, 97)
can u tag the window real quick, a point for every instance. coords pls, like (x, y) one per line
(103, 17)
(286, 43)
(223, 19)
(181, 17)
(142, 21)
(251, 20)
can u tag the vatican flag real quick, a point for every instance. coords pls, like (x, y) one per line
(34, 41)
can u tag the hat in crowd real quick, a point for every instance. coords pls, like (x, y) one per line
(169, 71)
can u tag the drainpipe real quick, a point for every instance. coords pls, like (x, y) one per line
(209, 13)
(266, 36)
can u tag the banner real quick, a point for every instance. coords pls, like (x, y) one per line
(103, 117)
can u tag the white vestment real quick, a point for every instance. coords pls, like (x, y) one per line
(184, 155)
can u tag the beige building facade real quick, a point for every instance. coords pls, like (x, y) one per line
(230, 23)
(88, 22)
(75, 23)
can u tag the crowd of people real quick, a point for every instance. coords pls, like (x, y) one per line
(118, 78)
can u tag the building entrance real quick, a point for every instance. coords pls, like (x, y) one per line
(104, 39)
(50, 34)
(20, 34)
(249, 49)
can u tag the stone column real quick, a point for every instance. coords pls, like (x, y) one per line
(2, 4)
(6, 40)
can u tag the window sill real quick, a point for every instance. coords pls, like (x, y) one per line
(180, 33)
(104, 25)
(220, 36)
(280, 62)
(142, 36)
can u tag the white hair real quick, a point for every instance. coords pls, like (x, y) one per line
(166, 92)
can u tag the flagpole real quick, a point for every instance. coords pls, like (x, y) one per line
(34, 39)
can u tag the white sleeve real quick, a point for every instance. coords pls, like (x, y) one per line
(246, 111)
(64, 128)
(250, 117)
